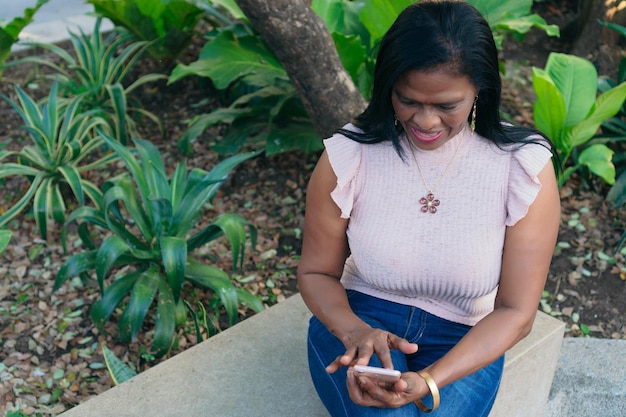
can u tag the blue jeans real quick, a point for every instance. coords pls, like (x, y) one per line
(472, 396)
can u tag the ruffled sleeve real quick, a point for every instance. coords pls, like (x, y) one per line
(524, 185)
(345, 159)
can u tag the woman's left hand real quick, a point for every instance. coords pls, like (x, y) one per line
(369, 392)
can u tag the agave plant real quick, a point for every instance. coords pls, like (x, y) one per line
(97, 73)
(64, 147)
(151, 223)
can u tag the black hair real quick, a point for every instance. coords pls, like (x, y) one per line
(431, 35)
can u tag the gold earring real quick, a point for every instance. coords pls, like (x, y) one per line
(473, 118)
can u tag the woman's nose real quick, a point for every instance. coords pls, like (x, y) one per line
(426, 118)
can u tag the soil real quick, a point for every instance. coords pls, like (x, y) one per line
(51, 357)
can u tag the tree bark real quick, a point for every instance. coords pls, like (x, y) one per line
(301, 42)
(595, 42)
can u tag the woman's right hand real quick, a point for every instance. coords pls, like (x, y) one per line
(362, 343)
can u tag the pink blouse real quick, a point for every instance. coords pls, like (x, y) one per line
(447, 263)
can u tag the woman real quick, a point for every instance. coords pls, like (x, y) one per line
(429, 228)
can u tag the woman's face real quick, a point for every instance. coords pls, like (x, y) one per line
(432, 106)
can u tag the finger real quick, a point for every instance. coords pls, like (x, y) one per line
(346, 359)
(401, 344)
(377, 395)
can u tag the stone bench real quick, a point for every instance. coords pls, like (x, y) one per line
(258, 368)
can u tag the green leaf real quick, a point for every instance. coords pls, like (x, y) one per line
(111, 249)
(378, 15)
(74, 265)
(153, 170)
(227, 59)
(198, 193)
(300, 136)
(234, 227)
(112, 295)
(118, 370)
(605, 107)
(165, 322)
(598, 159)
(217, 280)
(5, 239)
(22, 202)
(141, 298)
(576, 79)
(250, 300)
(617, 194)
(174, 255)
(549, 109)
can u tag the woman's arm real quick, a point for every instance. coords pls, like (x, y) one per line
(324, 251)
(528, 250)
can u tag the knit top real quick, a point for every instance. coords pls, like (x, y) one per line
(447, 263)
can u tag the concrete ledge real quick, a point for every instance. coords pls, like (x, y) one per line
(259, 368)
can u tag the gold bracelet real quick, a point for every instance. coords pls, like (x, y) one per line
(434, 391)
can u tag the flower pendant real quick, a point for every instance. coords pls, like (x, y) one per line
(429, 203)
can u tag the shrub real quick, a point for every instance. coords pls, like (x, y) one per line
(97, 73)
(64, 143)
(569, 113)
(150, 221)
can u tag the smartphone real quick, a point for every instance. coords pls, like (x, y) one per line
(381, 374)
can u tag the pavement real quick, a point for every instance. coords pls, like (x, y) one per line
(590, 379)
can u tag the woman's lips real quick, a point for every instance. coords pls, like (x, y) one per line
(427, 137)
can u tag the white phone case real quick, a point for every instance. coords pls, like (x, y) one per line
(381, 374)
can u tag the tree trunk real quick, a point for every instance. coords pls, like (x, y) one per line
(595, 42)
(301, 42)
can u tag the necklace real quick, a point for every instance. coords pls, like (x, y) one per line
(429, 202)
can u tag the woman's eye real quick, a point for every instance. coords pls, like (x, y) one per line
(447, 108)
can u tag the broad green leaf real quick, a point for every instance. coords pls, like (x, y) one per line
(230, 6)
(141, 297)
(605, 107)
(131, 163)
(227, 59)
(343, 18)
(102, 309)
(204, 236)
(378, 16)
(117, 225)
(294, 136)
(498, 10)
(234, 228)
(153, 169)
(5, 239)
(598, 159)
(110, 250)
(73, 179)
(549, 109)
(250, 300)
(521, 25)
(201, 192)
(576, 79)
(617, 194)
(22, 202)
(161, 211)
(118, 370)
(174, 255)
(217, 280)
(74, 265)
(353, 55)
(165, 322)
(178, 182)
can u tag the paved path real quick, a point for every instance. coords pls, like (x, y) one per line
(591, 376)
